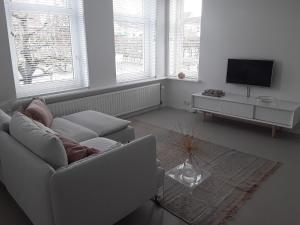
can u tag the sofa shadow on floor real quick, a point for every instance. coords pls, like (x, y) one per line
(11, 213)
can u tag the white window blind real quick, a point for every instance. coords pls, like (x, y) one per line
(48, 46)
(184, 38)
(135, 33)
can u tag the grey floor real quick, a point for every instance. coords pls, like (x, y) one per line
(277, 202)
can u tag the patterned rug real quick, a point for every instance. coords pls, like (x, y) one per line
(234, 177)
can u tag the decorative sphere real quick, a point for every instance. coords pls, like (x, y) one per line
(181, 75)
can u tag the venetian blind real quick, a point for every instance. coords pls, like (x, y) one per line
(184, 38)
(135, 34)
(48, 46)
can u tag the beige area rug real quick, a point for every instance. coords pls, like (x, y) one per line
(235, 176)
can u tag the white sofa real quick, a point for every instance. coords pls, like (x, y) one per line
(97, 190)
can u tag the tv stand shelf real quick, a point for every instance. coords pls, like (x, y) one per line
(278, 114)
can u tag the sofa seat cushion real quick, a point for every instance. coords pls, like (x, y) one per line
(101, 123)
(102, 144)
(39, 139)
(72, 130)
(124, 136)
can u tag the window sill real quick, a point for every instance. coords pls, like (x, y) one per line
(186, 80)
(126, 83)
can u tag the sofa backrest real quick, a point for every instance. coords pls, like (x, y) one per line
(4, 121)
(4, 126)
(38, 139)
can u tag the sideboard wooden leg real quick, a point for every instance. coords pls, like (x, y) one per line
(204, 116)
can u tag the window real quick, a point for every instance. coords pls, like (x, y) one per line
(184, 38)
(48, 46)
(135, 30)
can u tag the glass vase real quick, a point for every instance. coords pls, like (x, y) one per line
(189, 172)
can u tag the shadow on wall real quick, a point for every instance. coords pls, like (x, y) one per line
(277, 75)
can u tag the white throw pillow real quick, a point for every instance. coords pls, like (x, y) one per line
(38, 139)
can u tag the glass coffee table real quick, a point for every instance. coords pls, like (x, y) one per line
(189, 176)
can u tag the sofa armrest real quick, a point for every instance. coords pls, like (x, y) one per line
(26, 177)
(105, 188)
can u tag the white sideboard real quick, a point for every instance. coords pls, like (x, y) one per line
(277, 113)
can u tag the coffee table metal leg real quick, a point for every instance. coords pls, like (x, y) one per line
(160, 196)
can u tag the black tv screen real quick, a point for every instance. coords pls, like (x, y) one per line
(250, 72)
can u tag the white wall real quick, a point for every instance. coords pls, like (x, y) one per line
(100, 42)
(263, 29)
(7, 87)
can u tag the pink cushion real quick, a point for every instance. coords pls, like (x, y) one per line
(75, 151)
(38, 110)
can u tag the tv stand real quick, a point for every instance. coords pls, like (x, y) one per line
(279, 113)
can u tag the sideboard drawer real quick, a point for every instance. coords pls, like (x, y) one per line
(237, 109)
(274, 116)
(207, 104)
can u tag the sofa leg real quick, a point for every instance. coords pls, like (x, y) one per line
(160, 196)
(157, 199)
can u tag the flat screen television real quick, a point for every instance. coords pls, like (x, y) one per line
(250, 72)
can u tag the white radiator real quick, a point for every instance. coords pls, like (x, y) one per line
(113, 103)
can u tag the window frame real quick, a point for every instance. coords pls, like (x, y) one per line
(150, 25)
(179, 10)
(79, 51)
